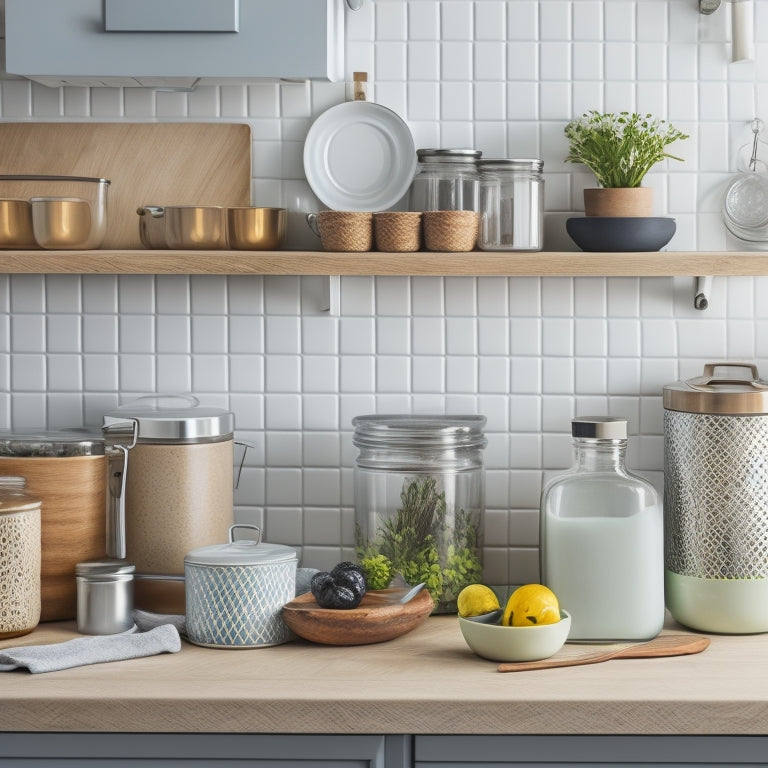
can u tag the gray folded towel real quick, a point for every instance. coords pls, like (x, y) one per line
(145, 620)
(91, 650)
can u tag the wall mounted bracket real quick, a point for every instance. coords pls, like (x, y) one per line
(708, 6)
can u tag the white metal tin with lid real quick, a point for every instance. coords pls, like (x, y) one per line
(235, 592)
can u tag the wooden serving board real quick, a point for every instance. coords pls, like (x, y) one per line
(146, 163)
(574, 655)
(375, 620)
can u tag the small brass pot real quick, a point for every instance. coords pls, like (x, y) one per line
(191, 227)
(256, 229)
(62, 222)
(16, 224)
(152, 226)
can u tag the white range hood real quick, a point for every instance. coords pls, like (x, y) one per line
(173, 43)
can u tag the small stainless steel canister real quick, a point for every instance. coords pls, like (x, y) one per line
(104, 596)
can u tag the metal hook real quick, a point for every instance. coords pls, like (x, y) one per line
(757, 127)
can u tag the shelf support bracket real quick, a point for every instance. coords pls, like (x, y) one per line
(702, 292)
(331, 300)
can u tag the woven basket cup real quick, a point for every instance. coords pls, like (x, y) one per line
(451, 230)
(397, 231)
(346, 230)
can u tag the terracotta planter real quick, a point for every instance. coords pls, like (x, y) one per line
(618, 201)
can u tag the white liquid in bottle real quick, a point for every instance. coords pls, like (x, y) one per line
(602, 545)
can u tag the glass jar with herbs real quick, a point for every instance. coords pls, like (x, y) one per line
(420, 501)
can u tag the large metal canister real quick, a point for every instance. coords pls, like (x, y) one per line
(716, 499)
(175, 479)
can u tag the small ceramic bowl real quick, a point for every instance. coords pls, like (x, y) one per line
(620, 233)
(487, 638)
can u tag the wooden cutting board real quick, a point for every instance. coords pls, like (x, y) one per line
(146, 163)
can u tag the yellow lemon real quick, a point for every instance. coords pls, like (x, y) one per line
(529, 605)
(476, 599)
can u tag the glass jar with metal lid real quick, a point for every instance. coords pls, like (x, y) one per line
(172, 469)
(420, 501)
(447, 180)
(512, 204)
(19, 558)
(715, 499)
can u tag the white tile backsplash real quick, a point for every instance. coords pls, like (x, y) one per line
(529, 353)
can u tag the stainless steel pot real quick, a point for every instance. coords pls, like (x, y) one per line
(716, 499)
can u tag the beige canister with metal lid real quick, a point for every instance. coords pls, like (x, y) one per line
(19, 558)
(178, 463)
(716, 499)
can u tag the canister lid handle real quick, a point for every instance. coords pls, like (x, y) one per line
(708, 377)
(244, 525)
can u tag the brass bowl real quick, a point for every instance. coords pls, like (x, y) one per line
(256, 229)
(61, 222)
(16, 224)
(152, 226)
(195, 226)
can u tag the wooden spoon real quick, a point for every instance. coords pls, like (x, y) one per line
(573, 655)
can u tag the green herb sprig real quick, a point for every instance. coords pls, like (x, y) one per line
(620, 148)
(422, 541)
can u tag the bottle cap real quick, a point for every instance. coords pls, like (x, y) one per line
(599, 427)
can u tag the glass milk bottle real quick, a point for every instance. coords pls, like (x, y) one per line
(602, 550)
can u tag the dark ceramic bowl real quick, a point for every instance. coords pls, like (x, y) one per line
(620, 233)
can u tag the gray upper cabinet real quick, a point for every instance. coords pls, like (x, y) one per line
(174, 43)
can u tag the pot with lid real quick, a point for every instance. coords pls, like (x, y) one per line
(177, 494)
(236, 592)
(716, 499)
(67, 471)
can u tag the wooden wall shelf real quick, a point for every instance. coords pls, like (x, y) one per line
(476, 263)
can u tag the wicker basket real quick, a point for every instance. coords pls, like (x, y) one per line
(397, 231)
(451, 230)
(346, 230)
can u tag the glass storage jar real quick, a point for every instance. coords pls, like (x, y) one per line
(420, 501)
(447, 180)
(512, 204)
(602, 539)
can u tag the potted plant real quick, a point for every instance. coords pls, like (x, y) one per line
(620, 149)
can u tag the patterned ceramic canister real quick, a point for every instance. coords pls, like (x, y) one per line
(235, 592)
(715, 499)
(19, 558)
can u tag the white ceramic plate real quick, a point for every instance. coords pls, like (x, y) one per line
(359, 156)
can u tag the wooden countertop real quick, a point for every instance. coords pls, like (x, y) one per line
(427, 681)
